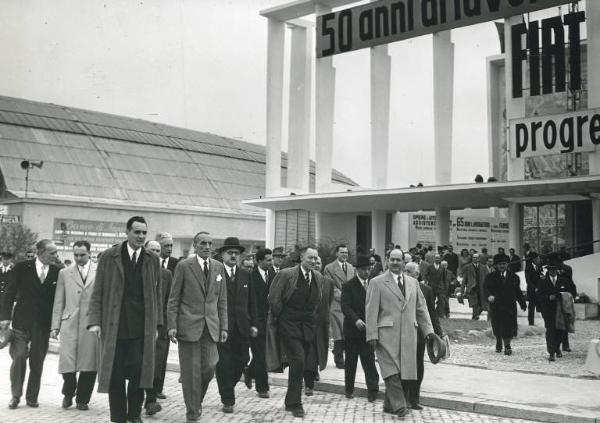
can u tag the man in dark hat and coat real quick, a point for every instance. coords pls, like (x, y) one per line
(242, 323)
(354, 294)
(548, 295)
(533, 274)
(503, 291)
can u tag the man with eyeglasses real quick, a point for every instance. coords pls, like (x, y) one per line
(197, 320)
(124, 311)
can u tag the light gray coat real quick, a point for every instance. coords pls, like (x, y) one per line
(392, 320)
(79, 349)
(336, 318)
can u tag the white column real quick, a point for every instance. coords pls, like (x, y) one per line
(378, 231)
(299, 110)
(592, 11)
(400, 229)
(380, 115)
(270, 228)
(596, 223)
(515, 107)
(275, 55)
(442, 226)
(324, 109)
(514, 226)
(443, 96)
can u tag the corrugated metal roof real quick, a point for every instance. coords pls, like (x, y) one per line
(89, 154)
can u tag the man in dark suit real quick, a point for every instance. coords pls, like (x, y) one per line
(548, 294)
(242, 323)
(32, 285)
(452, 259)
(197, 318)
(165, 240)
(412, 388)
(503, 290)
(261, 279)
(125, 311)
(514, 264)
(6, 268)
(294, 297)
(533, 274)
(354, 293)
(436, 277)
(162, 341)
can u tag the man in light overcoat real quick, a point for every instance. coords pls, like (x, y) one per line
(125, 313)
(340, 271)
(473, 286)
(197, 320)
(395, 308)
(79, 349)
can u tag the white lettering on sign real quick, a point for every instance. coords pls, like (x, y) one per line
(565, 133)
(386, 21)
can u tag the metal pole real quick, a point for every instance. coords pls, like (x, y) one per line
(26, 181)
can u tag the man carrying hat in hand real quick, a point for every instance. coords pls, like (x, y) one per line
(242, 323)
(503, 291)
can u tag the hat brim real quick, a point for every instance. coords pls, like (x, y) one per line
(232, 247)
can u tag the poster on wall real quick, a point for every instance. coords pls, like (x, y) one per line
(465, 232)
(101, 235)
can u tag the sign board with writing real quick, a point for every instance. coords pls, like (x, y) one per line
(9, 218)
(386, 21)
(465, 232)
(101, 235)
(574, 132)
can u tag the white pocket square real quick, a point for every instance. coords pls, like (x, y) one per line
(219, 277)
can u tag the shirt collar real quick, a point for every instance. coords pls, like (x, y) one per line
(39, 265)
(131, 250)
(262, 272)
(86, 267)
(201, 261)
(230, 270)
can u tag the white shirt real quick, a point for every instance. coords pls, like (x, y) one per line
(41, 267)
(83, 270)
(230, 270)
(363, 282)
(131, 250)
(342, 264)
(201, 261)
(306, 274)
(398, 278)
(263, 274)
(164, 262)
(5, 269)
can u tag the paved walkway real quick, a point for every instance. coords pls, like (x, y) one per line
(321, 408)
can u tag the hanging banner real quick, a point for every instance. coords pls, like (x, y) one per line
(385, 21)
(101, 235)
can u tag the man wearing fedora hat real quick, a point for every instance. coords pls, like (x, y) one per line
(279, 256)
(242, 323)
(548, 295)
(354, 293)
(503, 291)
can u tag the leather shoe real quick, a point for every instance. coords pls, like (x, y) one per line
(298, 412)
(308, 392)
(227, 408)
(264, 394)
(551, 358)
(349, 395)
(567, 349)
(508, 351)
(33, 404)
(371, 396)
(498, 350)
(14, 402)
(559, 354)
(160, 395)
(247, 378)
(403, 412)
(82, 407)
(416, 406)
(152, 408)
(67, 401)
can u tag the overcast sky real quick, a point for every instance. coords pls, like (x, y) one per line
(201, 64)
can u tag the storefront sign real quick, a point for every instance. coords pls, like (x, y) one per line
(101, 235)
(465, 231)
(565, 133)
(386, 21)
(9, 218)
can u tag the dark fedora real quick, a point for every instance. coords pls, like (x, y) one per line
(362, 261)
(501, 258)
(231, 243)
(436, 348)
(278, 252)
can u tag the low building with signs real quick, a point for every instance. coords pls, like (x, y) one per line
(543, 96)
(93, 171)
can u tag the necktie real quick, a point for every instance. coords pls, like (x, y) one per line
(205, 269)
(43, 274)
(344, 268)
(307, 277)
(134, 259)
(401, 285)
(82, 273)
(164, 263)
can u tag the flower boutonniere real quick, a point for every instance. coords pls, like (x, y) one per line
(219, 277)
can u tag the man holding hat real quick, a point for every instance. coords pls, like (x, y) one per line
(354, 293)
(242, 323)
(503, 291)
(548, 295)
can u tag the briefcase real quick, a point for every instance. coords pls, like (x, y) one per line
(592, 361)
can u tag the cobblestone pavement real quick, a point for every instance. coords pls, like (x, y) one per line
(322, 407)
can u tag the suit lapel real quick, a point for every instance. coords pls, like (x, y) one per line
(393, 286)
(37, 284)
(76, 276)
(212, 275)
(118, 261)
(199, 274)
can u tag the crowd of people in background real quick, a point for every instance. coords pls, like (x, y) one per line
(239, 315)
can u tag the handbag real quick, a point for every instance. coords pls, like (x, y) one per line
(6, 335)
(592, 361)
